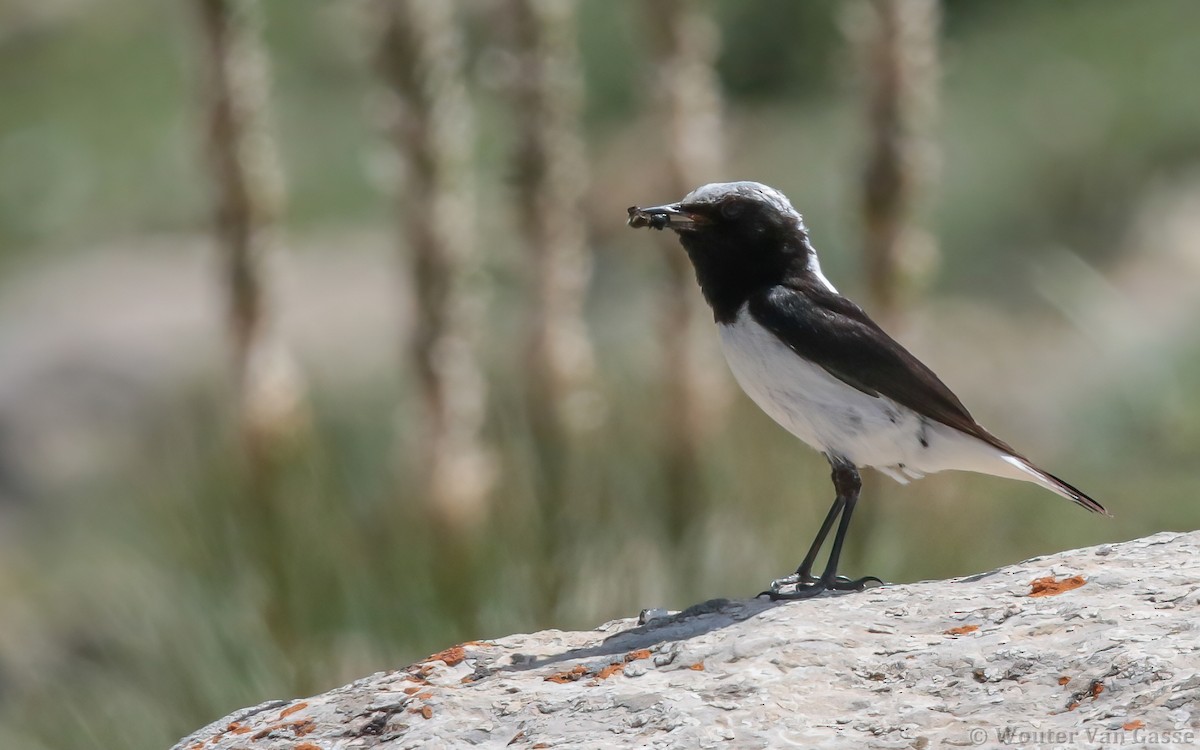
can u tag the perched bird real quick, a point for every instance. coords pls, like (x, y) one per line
(816, 364)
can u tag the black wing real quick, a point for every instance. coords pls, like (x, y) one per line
(835, 333)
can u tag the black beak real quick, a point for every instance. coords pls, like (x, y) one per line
(662, 217)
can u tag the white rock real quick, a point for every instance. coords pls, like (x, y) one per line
(933, 664)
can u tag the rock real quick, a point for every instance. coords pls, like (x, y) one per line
(1092, 647)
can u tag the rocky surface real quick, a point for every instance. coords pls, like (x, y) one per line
(1091, 648)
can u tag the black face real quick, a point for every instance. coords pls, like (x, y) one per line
(740, 236)
(739, 244)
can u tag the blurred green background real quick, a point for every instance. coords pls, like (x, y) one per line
(1063, 310)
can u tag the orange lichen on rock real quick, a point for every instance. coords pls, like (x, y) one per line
(1129, 726)
(571, 675)
(1093, 691)
(307, 746)
(292, 709)
(237, 727)
(1063, 680)
(697, 667)
(424, 711)
(451, 656)
(961, 630)
(1048, 586)
(617, 666)
(303, 727)
(579, 671)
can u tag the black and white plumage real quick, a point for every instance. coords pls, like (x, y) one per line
(819, 366)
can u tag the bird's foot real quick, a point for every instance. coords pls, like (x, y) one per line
(799, 586)
(807, 578)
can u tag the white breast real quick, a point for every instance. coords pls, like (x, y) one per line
(841, 420)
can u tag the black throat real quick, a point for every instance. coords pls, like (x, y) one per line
(730, 267)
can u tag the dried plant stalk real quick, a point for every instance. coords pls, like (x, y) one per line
(546, 90)
(552, 179)
(897, 43)
(901, 53)
(421, 60)
(689, 106)
(249, 201)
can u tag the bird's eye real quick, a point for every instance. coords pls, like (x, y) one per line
(732, 209)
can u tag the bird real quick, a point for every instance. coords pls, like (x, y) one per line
(817, 364)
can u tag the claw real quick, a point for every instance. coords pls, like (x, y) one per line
(788, 580)
(842, 583)
(802, 591)
(807, 589)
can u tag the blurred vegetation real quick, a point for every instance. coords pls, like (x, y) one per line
(1063, 312)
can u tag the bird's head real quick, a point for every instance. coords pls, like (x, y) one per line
(739, 235)
(737, 210)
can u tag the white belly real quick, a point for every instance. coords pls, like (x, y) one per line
(840, 420)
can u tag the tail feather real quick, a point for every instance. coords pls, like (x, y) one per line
(1056, 485)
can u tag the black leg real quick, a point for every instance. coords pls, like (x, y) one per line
(848, 484)
(804, 572)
